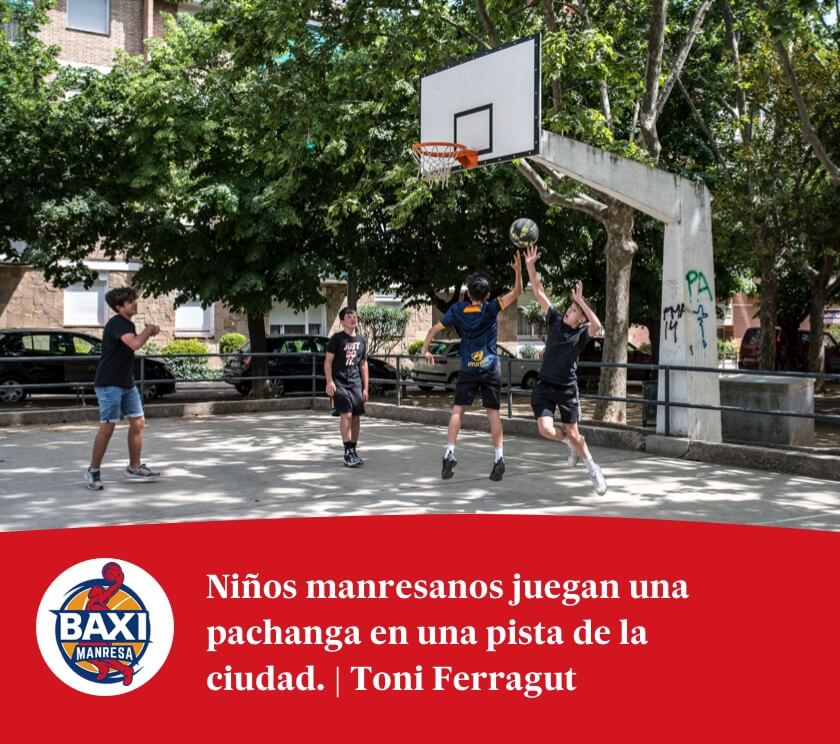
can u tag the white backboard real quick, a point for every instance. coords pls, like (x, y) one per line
(490, 102)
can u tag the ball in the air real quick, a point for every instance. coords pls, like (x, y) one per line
(112, 572)
(524, 233)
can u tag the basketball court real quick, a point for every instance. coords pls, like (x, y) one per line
(288, 464)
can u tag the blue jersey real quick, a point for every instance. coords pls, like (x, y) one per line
(478, 328)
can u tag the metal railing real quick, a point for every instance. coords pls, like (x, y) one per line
(516, 377)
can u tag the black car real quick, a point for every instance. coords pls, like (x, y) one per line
(291, 363)
(20, 349)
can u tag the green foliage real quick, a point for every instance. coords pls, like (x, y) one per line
(383, 327)
(834, 331)
(230, 342)
(727, 349)
(414, 347)
(529, 352)
(185, 368)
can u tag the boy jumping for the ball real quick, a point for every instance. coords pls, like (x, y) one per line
(346, 370)
(557, 386)
(480, 370)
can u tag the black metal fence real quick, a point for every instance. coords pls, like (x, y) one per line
(396, 373)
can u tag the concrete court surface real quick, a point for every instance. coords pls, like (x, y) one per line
(286, 464)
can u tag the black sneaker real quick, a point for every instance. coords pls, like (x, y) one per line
(93, 480)
(448, 469)
(359, 460)
(351, 460)
(498, 471)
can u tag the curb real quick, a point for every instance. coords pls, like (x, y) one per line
(809, 464)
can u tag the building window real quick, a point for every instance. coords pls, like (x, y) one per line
(525, 329)
(387, 299)
(10, 30)
(193, 320)
(283, 320)
(89, 15)
(86, 307)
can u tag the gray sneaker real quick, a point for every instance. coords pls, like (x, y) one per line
(143, 473)
(93, 480)
(598, 480)
(448, 468)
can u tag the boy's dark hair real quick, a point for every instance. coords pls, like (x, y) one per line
(120, 296)
(344, 311)
(478, 287)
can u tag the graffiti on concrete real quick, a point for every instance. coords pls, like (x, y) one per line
(672, 315)
(696, 281)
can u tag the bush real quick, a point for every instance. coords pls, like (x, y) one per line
(184, 368)
(414, 348)
(727, 349)
(834, 330)
(382, 326)
(230, 342)
(529, 352)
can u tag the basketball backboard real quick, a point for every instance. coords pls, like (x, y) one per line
(490, 102)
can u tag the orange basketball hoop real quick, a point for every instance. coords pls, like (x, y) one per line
(437, 159)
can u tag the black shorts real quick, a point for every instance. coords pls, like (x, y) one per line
(349, 400)
(546, 398)
(488, 383)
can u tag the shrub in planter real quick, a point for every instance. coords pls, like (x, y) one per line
(185, 368)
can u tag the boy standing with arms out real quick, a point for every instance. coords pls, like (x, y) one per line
(476, 321)
(557, 386)
(346, 370)
(115, 389)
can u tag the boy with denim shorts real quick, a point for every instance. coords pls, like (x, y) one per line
(115, 389)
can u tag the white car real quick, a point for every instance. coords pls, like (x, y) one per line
(446, 365)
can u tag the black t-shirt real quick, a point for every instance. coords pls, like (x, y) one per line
(349, 351)
(116, 366)
(562, 349)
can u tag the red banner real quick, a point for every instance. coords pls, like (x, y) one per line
(446, 628)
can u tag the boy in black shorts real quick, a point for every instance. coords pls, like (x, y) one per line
(346, 370)
(475, 320)
(557, 386)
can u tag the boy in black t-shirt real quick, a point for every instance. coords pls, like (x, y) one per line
(557, 387)
(115, 389)
(476, 319)
(346, 370)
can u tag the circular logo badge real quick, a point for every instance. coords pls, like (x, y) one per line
(105, 627)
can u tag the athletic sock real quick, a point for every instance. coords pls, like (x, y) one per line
(497, 451)
(449, 451)
(590, 465)
(353, 446)
(348, 447)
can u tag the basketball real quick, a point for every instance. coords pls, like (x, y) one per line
(112, 572)
(524, 233)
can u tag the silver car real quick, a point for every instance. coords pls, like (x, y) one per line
(446, 365)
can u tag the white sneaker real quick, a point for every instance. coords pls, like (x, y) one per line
(598, 480)
(573, 459)
(93, 480)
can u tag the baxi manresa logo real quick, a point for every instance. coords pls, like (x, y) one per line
(105, 627)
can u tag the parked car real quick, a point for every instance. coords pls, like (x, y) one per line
(446, 364)
(748, 355)
(19, 345)
(291, 357)
(594, 352)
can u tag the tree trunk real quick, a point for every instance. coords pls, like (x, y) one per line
(352, 294)
(259, 364)
(767, 307)
(620, 249)
(816, 348)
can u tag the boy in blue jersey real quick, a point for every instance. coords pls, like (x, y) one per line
(476, 321)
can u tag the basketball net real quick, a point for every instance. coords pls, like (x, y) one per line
(437, 159)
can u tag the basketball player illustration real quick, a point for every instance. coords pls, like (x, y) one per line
(97, 601)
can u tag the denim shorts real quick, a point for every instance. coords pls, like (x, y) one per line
(116, 403)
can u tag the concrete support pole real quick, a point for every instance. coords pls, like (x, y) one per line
(689, 320)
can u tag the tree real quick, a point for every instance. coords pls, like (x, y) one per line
(383, 327)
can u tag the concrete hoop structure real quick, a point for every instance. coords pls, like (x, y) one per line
(689, 321)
